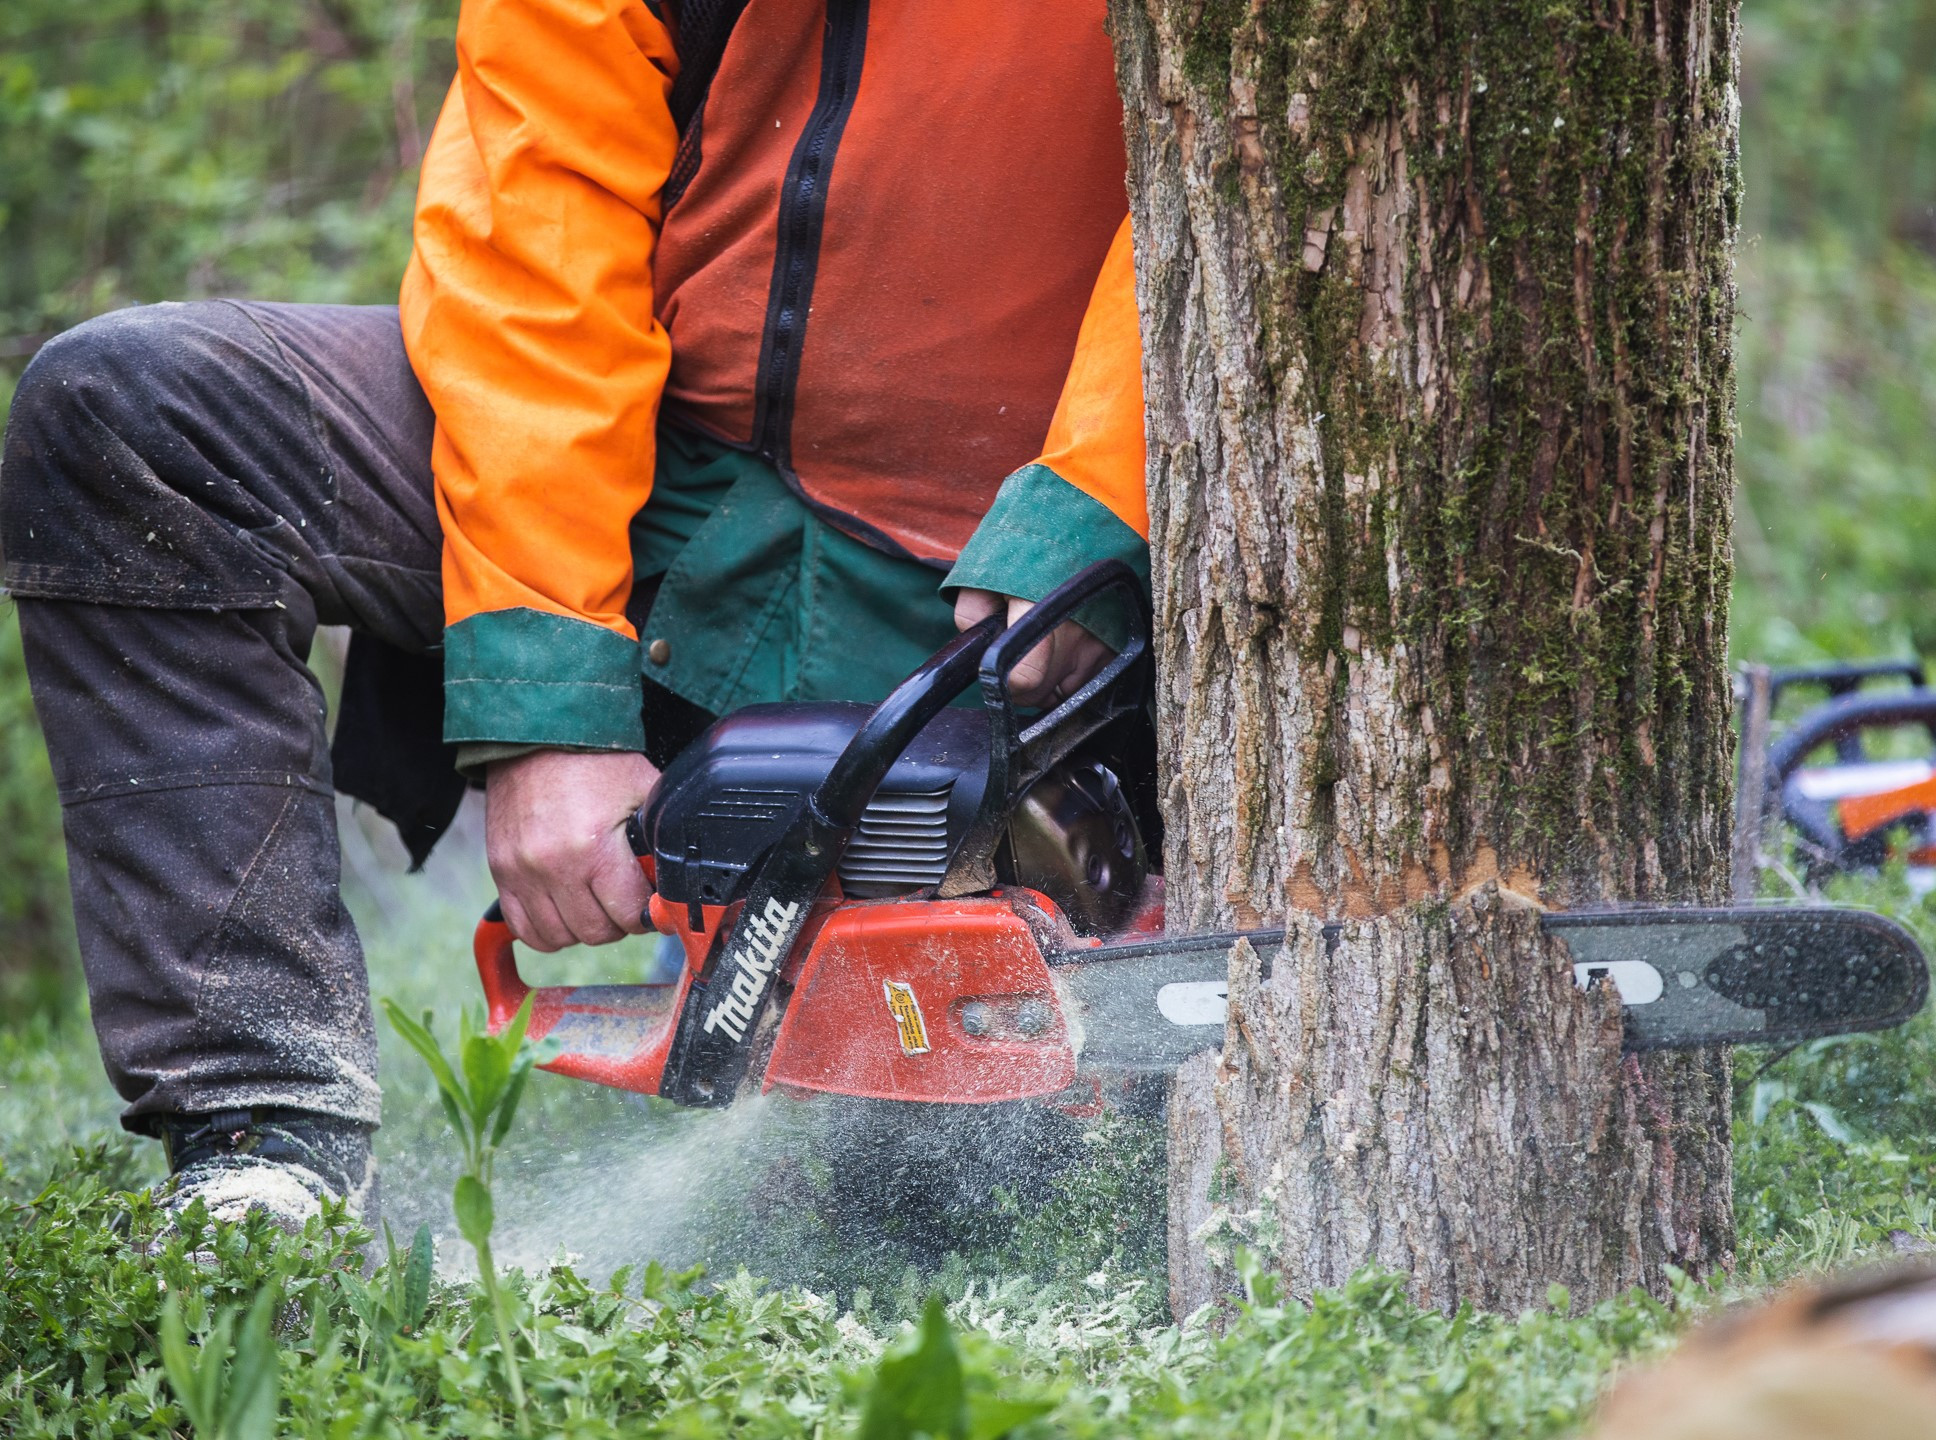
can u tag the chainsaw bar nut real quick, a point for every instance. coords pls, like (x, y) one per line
(1028, 1018)
(1032, 1017)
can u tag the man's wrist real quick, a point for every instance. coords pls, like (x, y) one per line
(475, 759)
(1040, 531)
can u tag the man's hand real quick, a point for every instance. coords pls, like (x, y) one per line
(554, 833)
(1053, 670)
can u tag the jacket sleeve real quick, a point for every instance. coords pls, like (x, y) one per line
(1083, 499)
(528, 315)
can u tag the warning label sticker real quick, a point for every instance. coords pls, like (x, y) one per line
(907, 1017)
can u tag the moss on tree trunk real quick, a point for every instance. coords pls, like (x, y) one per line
(1437, 305)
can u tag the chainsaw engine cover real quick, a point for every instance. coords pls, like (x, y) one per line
(731, 794)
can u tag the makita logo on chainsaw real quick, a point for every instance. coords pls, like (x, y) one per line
(753, 962)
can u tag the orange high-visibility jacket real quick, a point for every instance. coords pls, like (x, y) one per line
(895, 262)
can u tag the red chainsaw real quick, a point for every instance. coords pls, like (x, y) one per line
(936, 902)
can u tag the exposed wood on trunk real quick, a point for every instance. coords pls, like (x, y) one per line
(1437, 305)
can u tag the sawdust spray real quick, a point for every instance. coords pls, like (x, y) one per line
(828, 1193)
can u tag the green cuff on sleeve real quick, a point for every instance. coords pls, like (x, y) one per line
(1040, 531)
(528, 677)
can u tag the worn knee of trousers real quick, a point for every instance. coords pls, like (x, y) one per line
(166, 498)
(114, 487)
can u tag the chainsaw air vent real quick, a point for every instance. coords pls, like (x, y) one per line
(902, 844)
(745, 805)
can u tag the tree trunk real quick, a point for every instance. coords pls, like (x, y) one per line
(1437, 300)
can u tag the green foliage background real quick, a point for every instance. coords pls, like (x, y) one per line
(1835, 528)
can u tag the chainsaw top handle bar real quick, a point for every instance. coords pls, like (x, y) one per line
(1115, 690)
(990, 653)
(861, 767)
(1016, 755)
(1845, 716)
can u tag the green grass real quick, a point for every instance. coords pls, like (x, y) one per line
(603, 1205)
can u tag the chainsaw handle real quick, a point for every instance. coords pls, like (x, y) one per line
(1115, 690)
(861, 767)
(1847, 716)
(1841, 721)
(497, 967)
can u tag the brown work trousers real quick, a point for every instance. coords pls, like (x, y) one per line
(187, 492)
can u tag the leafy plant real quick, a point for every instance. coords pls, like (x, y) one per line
(920, 1389)
(396, 1302)
(37, 963)
(481, 1104)
(230, 1392)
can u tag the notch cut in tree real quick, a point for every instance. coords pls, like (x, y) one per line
(1437, 302)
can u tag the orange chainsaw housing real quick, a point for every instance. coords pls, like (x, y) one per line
(903, 999)
(880, 1000)
(1863, 815)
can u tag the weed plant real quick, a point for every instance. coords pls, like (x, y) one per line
(99, 1339)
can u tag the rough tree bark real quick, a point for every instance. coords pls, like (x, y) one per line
(1437, 301)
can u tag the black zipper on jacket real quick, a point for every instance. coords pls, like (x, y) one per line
(803, 211)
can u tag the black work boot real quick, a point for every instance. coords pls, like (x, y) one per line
(282, 1162)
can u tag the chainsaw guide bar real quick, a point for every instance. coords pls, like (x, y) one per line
(1748, 974)
(919, 901)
